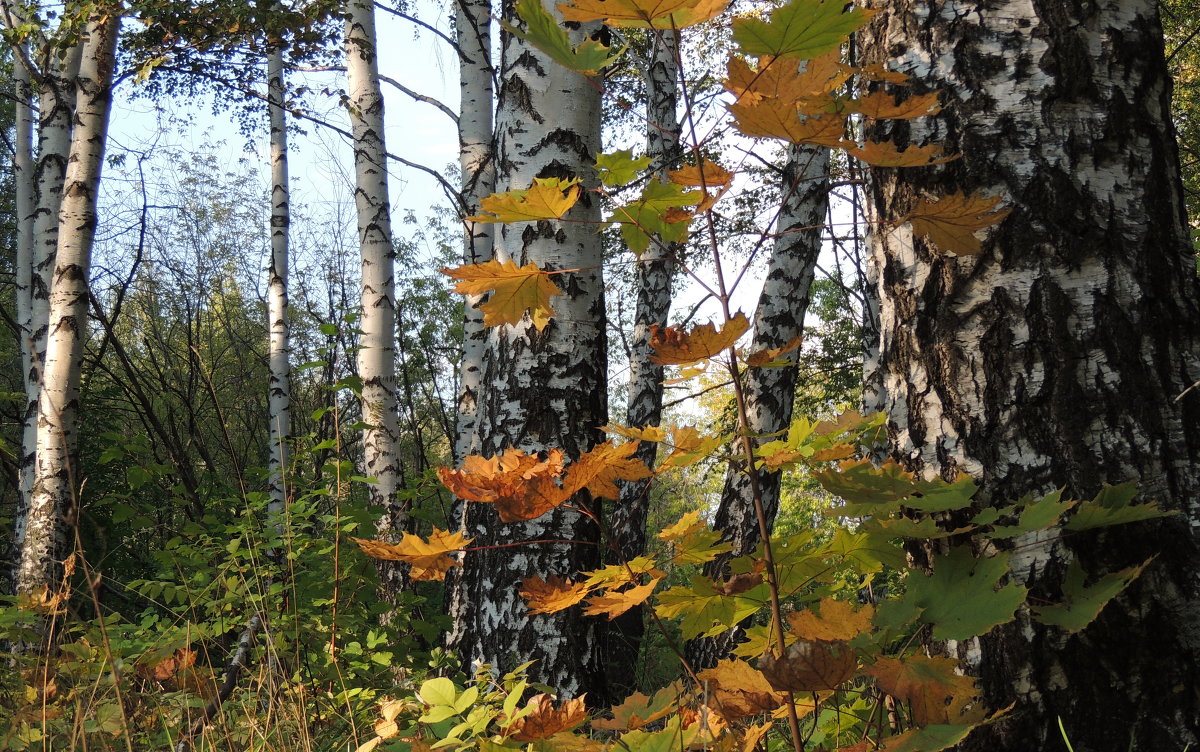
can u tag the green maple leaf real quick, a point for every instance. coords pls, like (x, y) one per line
(650, 215)
(669, 739)
(620, 168)
(961, 599)
(1112, 507)
(1035, 515)
(1083, 603)
(542, 31)
(802, 29)
(929, 739)
(702, 610)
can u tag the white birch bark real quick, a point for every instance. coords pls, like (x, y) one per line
(377, 349)
(279, 346)
(540, 389)
(1060, 355)
(53, 502)
(477, 164)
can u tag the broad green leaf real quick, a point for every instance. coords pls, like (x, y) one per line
(659, 211)
(620, 168)
(703, 610)
(1112, 507)
(439, 691)
(700, 546)
(1082, 603)
(904, 527)
(542, 31)
(669, 739)
(802, 29)
(1035, 515)
(961, 599)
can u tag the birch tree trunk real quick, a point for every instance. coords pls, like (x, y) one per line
(477, 164)
(771, 392)
(1058, 356)
(655, 269)
(376, 354)
(53, 502)
(540, 389)
(279, 345)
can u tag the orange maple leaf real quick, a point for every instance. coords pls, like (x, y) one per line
(783, 79)
(616, 603)
(881, 74)
(521, 486)
(649, 433)
(932, 687)
(673, 347)
(951, 221)
(740, 689)
(657, 14)
(638, 710)
(547, 198)
(552, 594)
(597, 468)
(430, 559)
(885, 154)
(882, 105)
(514, 290)
(836, 620)
(707, 174)
(546, 720)
(770, 355)
(778, 118)
(809, 666)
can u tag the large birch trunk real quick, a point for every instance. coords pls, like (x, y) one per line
(540, 389)
(377, 349)
(478, 166)
(1058, 356)
(627, 527)
(279, 344)
(53, 501)
(771, 392)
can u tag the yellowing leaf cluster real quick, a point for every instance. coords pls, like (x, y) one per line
(514, 290)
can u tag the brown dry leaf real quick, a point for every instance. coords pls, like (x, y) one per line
(658, 14)
(934, 689)
(598, 468)
(707, 174)
(779, 118)
(881, 74)
(752, 735)
(835, 452)
(614, 604)
(837, 620)
(430, 559)
(552, 594)
(521, 486)
(673, 347)
(40, 600)
(546, 720)
(369, 745)
(740, 690)
(170, 666)
(809, 666)
(882, 105)
(514, 290)
(885, 154)
(739, 583)
(770, 355)
(702, 726)
(950, 222)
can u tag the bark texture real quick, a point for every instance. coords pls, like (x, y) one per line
(53, 500)
(279, 344)
(771, 392)
(540, 389)
(1058, 356)
(377, 343)
(655, 269)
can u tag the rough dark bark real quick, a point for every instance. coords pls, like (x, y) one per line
(770, 392)
(540, 389)
(1058, 356)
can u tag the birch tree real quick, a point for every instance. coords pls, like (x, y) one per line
(53, 498)
(540, 388)
(1061, 355)
(377, 351)
(279, 348)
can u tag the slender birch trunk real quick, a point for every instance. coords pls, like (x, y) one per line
(1059, 356)
(540, 389)
(771, 392)
(655, 269)
(53, 502)
(476, 161)
(279, 347)
(377, 348)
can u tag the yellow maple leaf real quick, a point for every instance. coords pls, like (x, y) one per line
(552, 594)
(878, 72)
(835, 620)
(770, 355)
(784, 80)
(514, 290)
(673, 347)
(882, 105)
(649, 433)
(687, 524)
(707, 174)
(638, 710)
(547, 198)
(616, 603)
(951, 221)
(545, 720)
(778, 118)
(597, 468)
(430, 558)
(656, 14)
(521, 486)
(740, 689)
(885, 154)
(689, 446)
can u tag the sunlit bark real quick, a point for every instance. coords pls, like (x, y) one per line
(279, 347)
